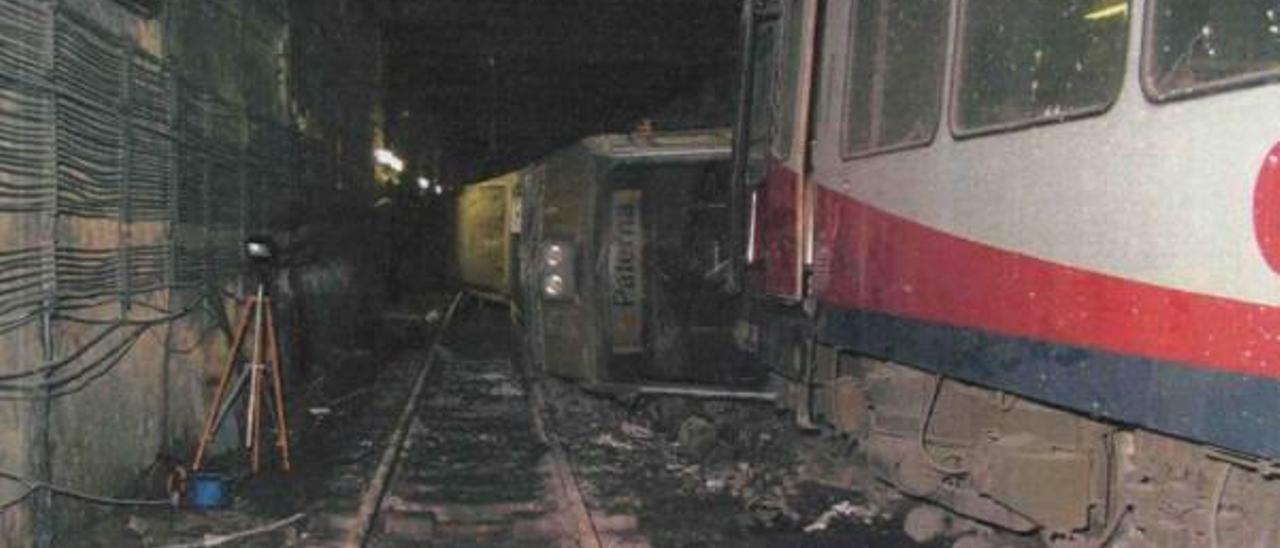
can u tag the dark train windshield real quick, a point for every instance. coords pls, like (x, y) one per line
(1201, 45)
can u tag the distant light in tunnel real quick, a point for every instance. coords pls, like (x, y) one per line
(389, 159)
(1110, 11)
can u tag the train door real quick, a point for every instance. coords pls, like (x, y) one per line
(782, 60)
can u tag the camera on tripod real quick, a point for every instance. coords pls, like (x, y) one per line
(256, 382)
(260, 249)
(261, 254)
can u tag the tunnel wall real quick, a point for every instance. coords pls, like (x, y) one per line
(139, 149)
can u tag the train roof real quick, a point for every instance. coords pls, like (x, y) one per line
(505, 179)
(688, 144)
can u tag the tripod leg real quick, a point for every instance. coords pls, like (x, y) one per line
(211, 421)
(282, 424)
(230, 400)
(253, 435)
(255, 452)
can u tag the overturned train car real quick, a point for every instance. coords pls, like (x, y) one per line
(614, 253)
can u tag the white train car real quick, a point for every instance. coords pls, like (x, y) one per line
(1026, 253)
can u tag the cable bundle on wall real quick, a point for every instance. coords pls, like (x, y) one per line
(25, 32)
(147, 268)
(190, 238)
(26, 274)
(166, 149)
(227, 200)
(88, 73)
(124, 175)
(226, 148)
(26, 160)
(150, 159)
(26, 109)
(79, 366)
(87, 277)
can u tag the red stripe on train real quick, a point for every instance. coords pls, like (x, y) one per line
(778, 233)
(871, 260)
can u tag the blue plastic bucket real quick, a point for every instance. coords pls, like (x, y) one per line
(207, 490)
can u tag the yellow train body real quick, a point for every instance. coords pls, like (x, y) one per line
(488, 225)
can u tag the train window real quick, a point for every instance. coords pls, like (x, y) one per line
(785, 95)
(1203, 45)
(1022, 62)
(763, 56)
(895, 75)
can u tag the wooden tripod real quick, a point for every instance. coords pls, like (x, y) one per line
(263, 362)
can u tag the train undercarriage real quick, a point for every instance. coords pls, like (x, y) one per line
(1010, 462)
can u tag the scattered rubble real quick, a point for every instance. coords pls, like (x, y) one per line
(697, 437)
(925, 523)
(633, 430)
(685, 473)
(606, 439)
(864, 513)
(706, 473)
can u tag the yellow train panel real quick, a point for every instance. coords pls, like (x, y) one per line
(488, 220)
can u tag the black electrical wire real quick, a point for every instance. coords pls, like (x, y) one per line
(86, 376)
(26, 493)
(9, 326)
(53, 366)
(109, 359)
(32, 305)
(50, 387)
(67, 383)
(36, 485)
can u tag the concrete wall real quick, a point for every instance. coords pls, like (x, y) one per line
(314, 71)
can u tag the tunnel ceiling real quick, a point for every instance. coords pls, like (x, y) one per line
(498, 83)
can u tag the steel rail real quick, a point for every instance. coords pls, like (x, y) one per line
(371, 501)
(562, 470)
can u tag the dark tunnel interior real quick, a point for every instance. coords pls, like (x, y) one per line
(639, 273)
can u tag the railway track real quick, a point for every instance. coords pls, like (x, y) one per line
(467, 461)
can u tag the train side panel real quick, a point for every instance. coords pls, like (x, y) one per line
(485, 232)
(1051, 316)
(1109, 261)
